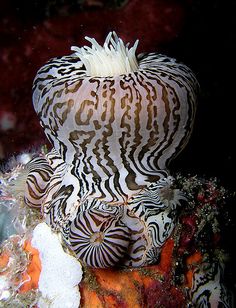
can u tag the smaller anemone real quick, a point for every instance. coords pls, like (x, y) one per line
(170, 196)
(99, 237)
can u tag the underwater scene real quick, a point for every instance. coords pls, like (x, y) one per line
(117, 184)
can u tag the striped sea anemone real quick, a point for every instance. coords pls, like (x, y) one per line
(115, 121)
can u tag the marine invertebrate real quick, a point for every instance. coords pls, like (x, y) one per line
(115, 122)
(183, 276)
(99, 237)
(207, 285)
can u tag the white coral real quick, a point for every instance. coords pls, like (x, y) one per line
(61, 273)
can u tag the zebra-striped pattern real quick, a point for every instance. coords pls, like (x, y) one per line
(99, 237)
(118, 132)
(157, 216)
(208, 289)
(38, 181)
(113, 138)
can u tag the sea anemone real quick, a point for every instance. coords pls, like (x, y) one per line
(115, 121)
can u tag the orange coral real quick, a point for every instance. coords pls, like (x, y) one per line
(31, 276)
(192, 262)
(133, 287)
(4, 259)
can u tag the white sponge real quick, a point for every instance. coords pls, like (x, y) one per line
(61, 273)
